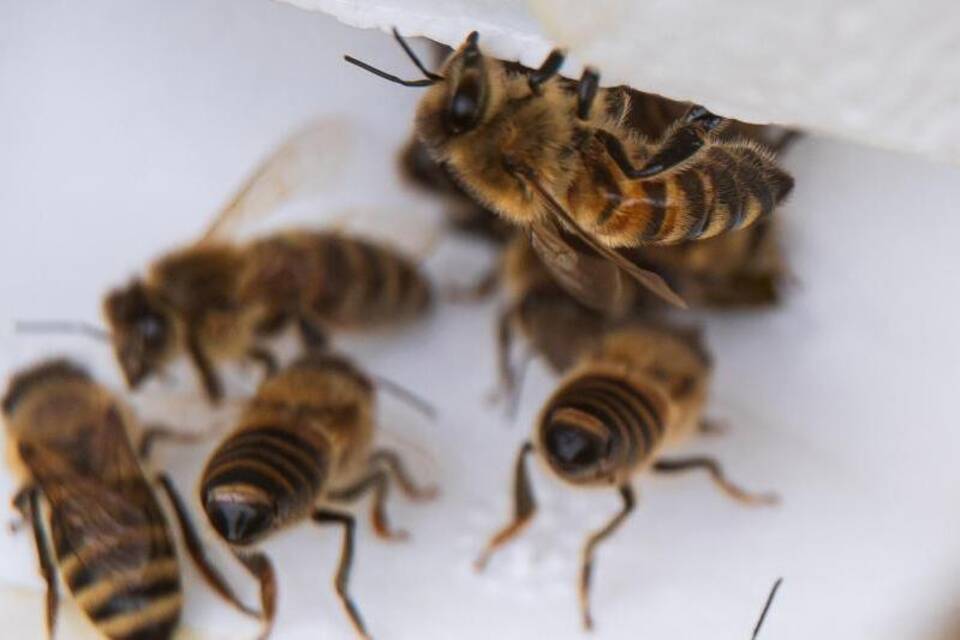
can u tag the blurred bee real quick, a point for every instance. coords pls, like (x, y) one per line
(556, 325)
(69, 439)
(303, 446)
(642, 390)
(533, 148)
(219, 300)
(740, 269)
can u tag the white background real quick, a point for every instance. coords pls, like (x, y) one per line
(125, 125)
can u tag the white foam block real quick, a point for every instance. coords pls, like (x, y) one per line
(881, 72)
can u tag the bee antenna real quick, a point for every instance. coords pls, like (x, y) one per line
(406, 395)
(387, 76)
(413, 56)
(62, 326)
(766, 608)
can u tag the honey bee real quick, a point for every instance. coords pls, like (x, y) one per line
(302, 448)
(70, 440)
(534, 149)
(641, 391)
(218, 299)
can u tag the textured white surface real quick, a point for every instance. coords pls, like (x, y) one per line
(126, 124)
(882, 72)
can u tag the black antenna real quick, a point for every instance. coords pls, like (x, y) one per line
(766, 608)
(406, 395)
(62, 326)
(387, 76)
(413, 56)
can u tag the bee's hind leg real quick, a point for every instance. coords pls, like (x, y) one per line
(27, 502)
(680, 145)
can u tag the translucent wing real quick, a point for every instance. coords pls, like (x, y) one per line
(592, 280)
(306, 163)
(566, 263)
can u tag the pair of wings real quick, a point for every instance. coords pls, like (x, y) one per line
(595, 278)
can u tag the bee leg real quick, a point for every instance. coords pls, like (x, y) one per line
(712, 427)
(27, 502)
(260, 567)
(680, 145)
(547, 70)
(391, 460)
(208, 376)
(312, 335)
(323, 516)
(586, 566)
(483, 288)
(524, 508)
(265, 358)
(712, 467)
(377, 481)
(507, 374)
(156, 432)
(587, 92)
(211, 575)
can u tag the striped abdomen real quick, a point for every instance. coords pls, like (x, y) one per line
(259, 479)
(599, 427)
(118, 559)
(367, 284)
(727, 186)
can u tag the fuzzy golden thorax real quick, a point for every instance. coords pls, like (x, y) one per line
(487, 125)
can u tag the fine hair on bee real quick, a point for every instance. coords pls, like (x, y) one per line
(641, 391)
(303, 450)
(69, 440)
(580, 170)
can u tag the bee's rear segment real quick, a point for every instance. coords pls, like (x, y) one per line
(128, 583)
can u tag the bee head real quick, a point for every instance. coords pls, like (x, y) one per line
(142, 331)
(241, 513)
(458, 101)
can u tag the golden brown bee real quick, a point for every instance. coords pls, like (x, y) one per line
(70, 440)
(220, 301)
(217, 299)
(533, 148)
(303, 447)
(642, 391)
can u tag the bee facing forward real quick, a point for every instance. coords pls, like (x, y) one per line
(532, 147)
(303, 446)
(69, 438)
(642, 391)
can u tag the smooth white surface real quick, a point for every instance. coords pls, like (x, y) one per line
(881, 72)
(125, 125)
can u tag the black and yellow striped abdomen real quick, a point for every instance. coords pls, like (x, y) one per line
(727, 186)
(260, 478)
(118, 559)
(368, 283)
(598, 428)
